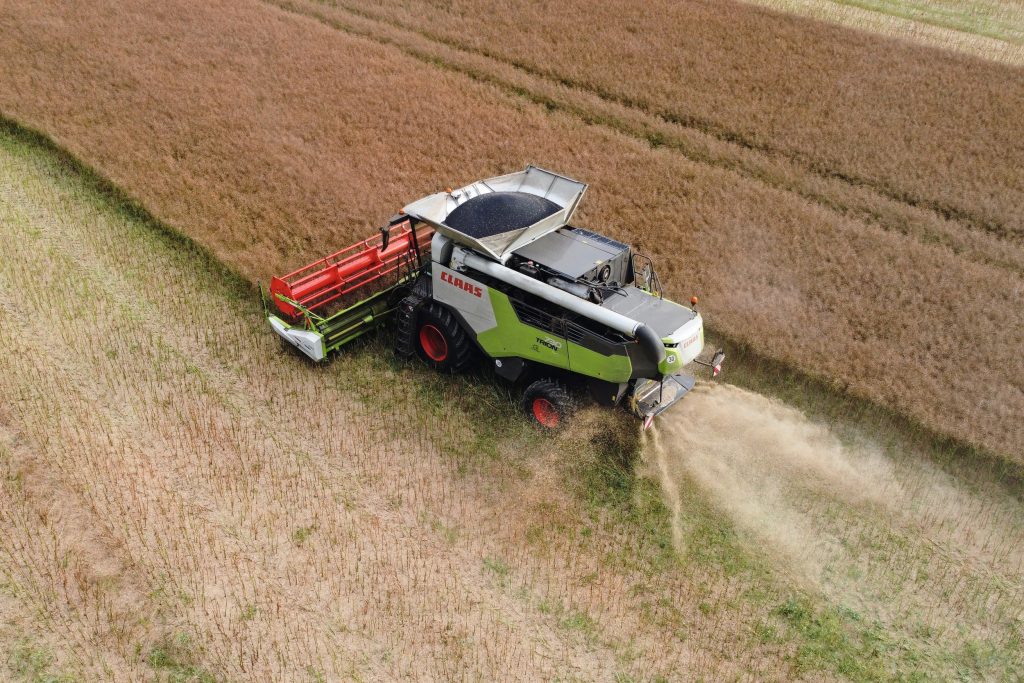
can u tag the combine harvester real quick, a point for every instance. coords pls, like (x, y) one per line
(494, 271)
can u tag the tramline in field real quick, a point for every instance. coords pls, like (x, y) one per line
(494, 272)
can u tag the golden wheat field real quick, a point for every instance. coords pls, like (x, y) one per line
(181, 499)
(924, 127)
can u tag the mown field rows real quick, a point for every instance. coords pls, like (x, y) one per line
(914, 555)
(182, 499)
(273, 138)
(990, 29)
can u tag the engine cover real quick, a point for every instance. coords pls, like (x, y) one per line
(578, 253)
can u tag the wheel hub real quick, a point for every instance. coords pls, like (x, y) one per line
(545, 413)
(433, 343)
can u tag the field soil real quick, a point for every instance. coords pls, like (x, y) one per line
(183, 499)
(853, 216)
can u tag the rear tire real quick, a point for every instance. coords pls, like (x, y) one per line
(440, 340)
(547, 404)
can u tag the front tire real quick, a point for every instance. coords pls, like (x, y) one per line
(547, 404)
(440, 340)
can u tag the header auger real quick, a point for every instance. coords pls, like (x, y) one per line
(494, 272)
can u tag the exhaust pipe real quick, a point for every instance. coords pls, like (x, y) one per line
(650, 343)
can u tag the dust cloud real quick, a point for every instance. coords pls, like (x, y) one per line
(839, 516)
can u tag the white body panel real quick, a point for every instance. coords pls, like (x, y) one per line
(310, 343)
(689, 340)
(466, 295)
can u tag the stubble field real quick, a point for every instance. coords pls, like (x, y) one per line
(182, 499)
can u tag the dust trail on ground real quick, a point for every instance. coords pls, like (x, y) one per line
(668, 487)
(747, 453)
(890, 535)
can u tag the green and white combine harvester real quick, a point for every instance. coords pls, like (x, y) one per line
(494, 272)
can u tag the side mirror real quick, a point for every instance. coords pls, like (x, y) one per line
(716, 362)
(385, 237)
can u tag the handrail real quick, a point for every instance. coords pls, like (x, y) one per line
(653, 284)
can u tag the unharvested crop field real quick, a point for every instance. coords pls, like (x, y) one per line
(830, 240)
(182, 500)
(925, 127)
